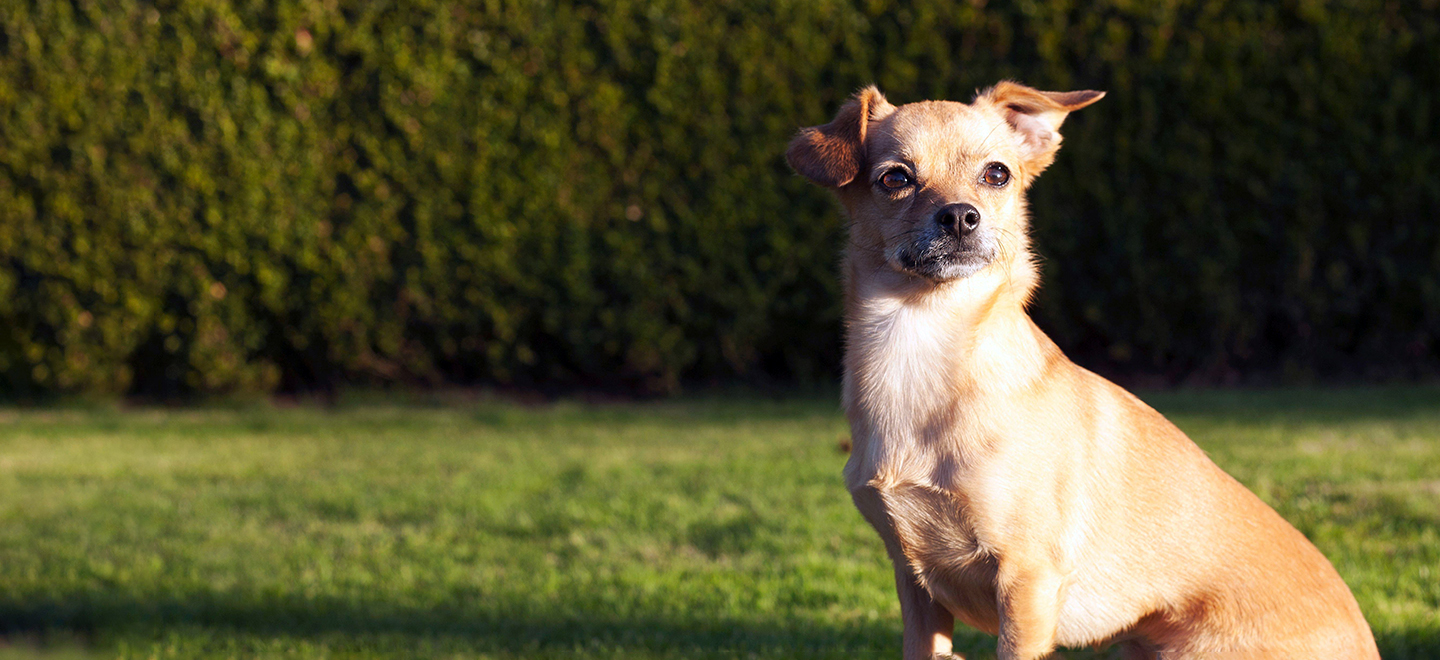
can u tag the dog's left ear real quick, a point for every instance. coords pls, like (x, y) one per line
(1036, 116)
(832, 155)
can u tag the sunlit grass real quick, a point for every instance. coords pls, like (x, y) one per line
(711, 528)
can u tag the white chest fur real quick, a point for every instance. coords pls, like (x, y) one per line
(922, 370)
(903, 385)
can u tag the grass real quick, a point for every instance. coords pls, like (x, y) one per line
(696, 529)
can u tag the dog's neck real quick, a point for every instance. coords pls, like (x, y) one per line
(919, 353)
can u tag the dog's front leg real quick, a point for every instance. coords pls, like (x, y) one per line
(929, 627)
(1029, 600)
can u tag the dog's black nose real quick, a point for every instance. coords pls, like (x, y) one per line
(958, 219)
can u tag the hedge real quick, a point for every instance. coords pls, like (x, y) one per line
(230, 195)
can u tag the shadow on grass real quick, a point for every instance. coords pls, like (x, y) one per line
(1307, 404)
(100, 615)
(355, 625)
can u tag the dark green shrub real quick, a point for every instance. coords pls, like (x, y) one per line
(225, 195)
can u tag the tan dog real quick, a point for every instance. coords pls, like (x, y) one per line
(1014, 490)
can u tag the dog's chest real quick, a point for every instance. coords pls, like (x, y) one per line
(903, 374)
(907, 470)
(902, 361)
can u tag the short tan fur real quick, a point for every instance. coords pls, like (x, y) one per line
(1015, 491)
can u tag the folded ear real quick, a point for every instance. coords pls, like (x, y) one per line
(1036, 117)
(832, 155)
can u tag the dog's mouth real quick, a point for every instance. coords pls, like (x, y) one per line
(945, 259)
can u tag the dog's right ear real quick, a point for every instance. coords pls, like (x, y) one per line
(832, 155)
(1036, 117)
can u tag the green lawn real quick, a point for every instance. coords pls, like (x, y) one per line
(713, 528)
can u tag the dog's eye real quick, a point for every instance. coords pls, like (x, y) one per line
(895, 179)
(996, 175)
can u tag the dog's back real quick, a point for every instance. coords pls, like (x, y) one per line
(1224, 572)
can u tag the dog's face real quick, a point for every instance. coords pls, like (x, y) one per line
(939, 194)
(935, 189)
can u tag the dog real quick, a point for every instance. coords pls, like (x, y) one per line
(1014, 490)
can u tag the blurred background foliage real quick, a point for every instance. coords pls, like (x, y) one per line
(219, 196)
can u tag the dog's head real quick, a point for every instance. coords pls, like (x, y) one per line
(935, 189)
